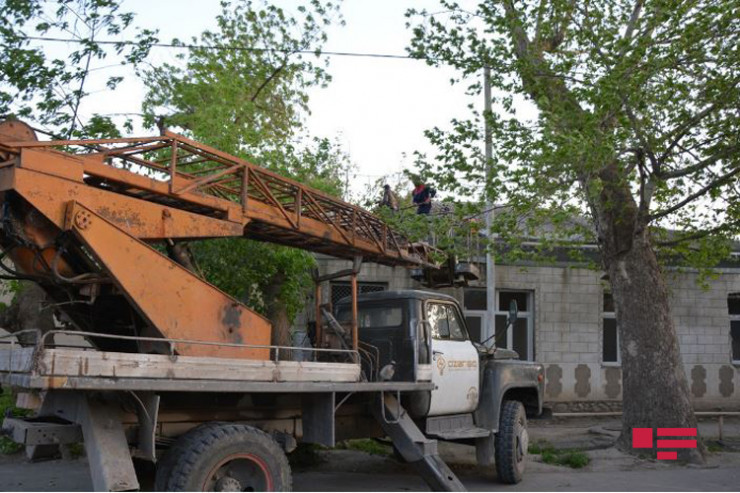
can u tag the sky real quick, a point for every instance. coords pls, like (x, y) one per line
(376, 108)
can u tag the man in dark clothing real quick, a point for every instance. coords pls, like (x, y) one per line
(389, 199)
(422, 196)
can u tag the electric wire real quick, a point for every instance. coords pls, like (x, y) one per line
(183, 46)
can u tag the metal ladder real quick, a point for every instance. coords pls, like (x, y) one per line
(414, 446)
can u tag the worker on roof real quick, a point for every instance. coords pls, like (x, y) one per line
(422, 196)
(389, 198)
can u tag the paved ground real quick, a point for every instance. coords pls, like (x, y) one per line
(347, 470)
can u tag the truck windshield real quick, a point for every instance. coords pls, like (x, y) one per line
(372, 316)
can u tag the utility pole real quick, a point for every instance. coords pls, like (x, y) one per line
(490, 328)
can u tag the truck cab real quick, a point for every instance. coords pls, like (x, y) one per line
(481, 395)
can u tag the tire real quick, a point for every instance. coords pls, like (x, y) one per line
(227, 457)
(167, 461)
(511, 444)
(164, 467)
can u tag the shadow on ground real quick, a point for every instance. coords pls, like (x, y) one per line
(357, 470)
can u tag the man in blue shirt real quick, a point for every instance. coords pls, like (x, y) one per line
(422, 196)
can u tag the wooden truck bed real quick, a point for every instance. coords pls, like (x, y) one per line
(41, 367)
(76, 377)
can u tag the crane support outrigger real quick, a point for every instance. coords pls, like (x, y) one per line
(174, 371)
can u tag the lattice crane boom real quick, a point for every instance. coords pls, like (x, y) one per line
(189, 176)
(78, 217)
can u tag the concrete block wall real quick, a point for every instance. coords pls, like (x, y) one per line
(568, 335)
(703, 327)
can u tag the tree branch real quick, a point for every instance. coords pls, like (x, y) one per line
(640, 135)
(718, 182)
(698, 235)
(551, 44)
(269, 79)
(540, 15)
(678, 173)
(535, 66)
(636, 10)
(82, 85)
(647, 187)
(679, 132)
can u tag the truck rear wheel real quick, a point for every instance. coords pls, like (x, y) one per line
(228, 457)
(512, 441)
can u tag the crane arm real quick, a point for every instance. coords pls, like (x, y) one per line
(227, 192)
(78, 217)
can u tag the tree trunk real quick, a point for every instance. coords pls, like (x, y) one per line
(278, 314)
(181, 253)
(656, 391)
(26, 311)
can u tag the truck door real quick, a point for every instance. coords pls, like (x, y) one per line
(454, 361)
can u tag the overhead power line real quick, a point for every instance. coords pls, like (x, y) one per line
(229, 48)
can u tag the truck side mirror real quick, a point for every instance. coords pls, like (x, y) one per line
(513, 313)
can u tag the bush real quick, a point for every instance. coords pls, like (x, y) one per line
(713, 446)
(367, 445)
(306, 455)
(7, 408)
(559, 457)
(8, 446)
(540, 447)
(574, 458)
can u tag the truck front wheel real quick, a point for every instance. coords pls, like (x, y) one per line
(228, 457)
(512, 441)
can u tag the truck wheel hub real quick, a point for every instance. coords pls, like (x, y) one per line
(227, 483)
(522, 445)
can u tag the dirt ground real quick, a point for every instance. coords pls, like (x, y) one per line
(351, 470)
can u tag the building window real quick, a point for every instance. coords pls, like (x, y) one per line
(733, 308)
(610, 335)
(519, 337)
(343, 289)
(474, 309)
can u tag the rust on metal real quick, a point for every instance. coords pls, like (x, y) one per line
(185, 175)
(80, 217)
(176, 301)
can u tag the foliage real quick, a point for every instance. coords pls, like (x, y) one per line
(621, 112)
(9, 288)
(250, 103)
(644, 94)
(76, 450)
(714, 447)
(573, 458)
(8, 447)
(320, 163)
(238, 99)
(453, 226)
(306, 455)
(367, 445)
(45, 90)
(7, 408)
(246, 269)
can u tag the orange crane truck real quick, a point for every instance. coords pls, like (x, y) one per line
(153, 365)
